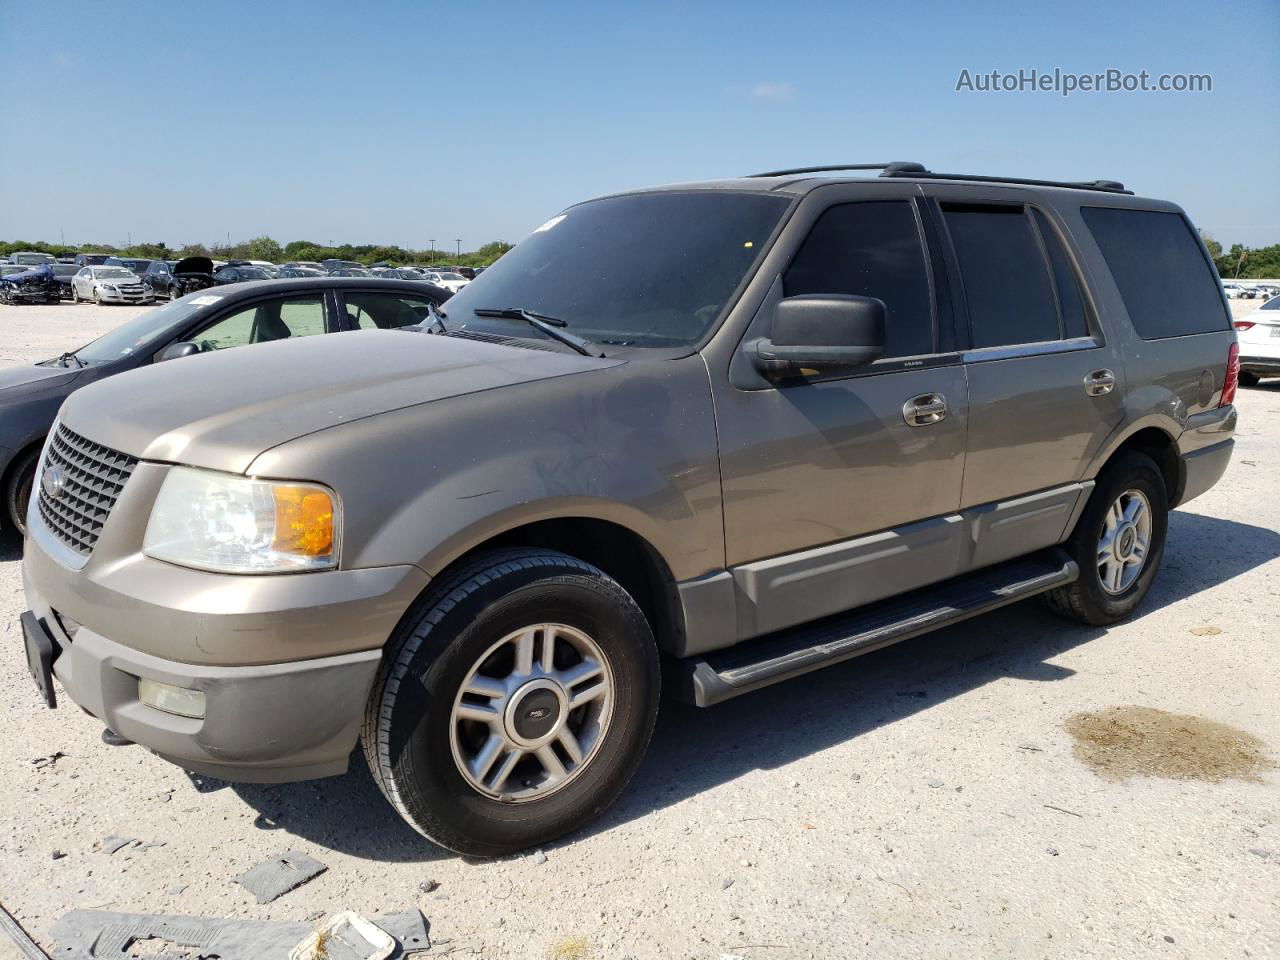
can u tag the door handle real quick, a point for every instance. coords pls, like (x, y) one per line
(925, 409)
(1099, 383)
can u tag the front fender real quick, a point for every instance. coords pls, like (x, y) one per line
(632, 444)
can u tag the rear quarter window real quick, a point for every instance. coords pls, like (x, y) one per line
(1168, 287)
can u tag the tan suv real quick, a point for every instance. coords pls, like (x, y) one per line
(702, 438)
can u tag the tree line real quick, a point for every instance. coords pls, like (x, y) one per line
(1244, 263)
(264, 248)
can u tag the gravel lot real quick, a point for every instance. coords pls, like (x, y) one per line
(924, 800)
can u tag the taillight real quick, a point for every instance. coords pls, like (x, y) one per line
(1232, 379)
(1244, 324)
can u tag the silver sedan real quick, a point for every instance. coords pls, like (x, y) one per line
(110, 285)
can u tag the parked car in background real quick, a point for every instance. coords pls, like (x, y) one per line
(138, 265)
(31, 258)
(220, 319)
(356, 271)
(91, 259)
(296, 272)
(397, 273)
(304, 265)
(239, 273)
(30, 284)
(1259, 336)
(331, 265)
(452, 282)
(109, 284)
(63, 272)
(158, 275)
(11, 269)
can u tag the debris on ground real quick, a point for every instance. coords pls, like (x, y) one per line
(275, 877)
(429, 885)
(113, 844)
(43, 763)
(1124, 742)
(1209, 630)
(345, 936)
(93, 934)
(12, 930)
(539, 858)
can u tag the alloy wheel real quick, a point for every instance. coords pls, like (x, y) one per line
(1125, 541)
(531, 713)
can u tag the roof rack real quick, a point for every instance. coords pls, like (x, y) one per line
(900, 167)
(904, 168)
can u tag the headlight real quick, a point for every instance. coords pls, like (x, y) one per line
(230, 524)
(109, 287)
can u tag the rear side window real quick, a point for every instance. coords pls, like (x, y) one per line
(870, 249)
(1006, 280)
(1166, 284)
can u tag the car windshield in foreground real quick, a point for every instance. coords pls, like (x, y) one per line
(646, 270)
(143, 331)
(115, 273)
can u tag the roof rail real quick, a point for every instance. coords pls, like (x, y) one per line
(906, 168)
(1106, 186)
(903, 166)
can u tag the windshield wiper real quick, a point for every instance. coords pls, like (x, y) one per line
(548, 325)
(70, 355)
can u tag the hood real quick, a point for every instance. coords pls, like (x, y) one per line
(193, 265)
(18, 382)
(248, 400)
(40, 272)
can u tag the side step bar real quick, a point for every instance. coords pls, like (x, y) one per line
(790, 653)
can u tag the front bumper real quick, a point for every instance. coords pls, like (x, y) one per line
(285, 662)
(108, 296)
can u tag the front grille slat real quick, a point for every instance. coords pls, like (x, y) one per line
(93, 476)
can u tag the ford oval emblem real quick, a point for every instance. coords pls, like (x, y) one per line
(53, 482)
(538, 713)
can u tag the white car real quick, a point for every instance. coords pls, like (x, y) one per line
(452, 282)
(1259, 337)
(1233, 290)
(110, 285)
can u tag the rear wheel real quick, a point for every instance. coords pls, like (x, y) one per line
(1118, 543)
(515, 705)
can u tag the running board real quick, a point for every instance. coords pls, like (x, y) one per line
(790, 653)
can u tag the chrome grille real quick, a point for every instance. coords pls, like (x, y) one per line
(92, 478)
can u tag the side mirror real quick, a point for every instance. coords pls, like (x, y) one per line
(821, 332)
(183, 348)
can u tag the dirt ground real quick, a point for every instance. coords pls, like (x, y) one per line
(923, 801)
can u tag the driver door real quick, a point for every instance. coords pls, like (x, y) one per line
(843, 488)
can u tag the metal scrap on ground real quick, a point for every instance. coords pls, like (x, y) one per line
(94, 934)
(275, 877)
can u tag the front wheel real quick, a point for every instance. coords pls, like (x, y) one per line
(1118, 543)
(515, 705)
(17, 491)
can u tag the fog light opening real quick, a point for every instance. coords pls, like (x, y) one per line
(176, 700)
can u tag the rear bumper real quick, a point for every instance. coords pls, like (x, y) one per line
(1202, 469)
(1260, 365)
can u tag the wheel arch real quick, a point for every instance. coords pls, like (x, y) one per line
(1161, 446)
(619, 551)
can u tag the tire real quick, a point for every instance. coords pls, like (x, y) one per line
(1134, 477)
(18, 487)
(1249, 379)
(413, 736)
(97, 297)
(75, 295)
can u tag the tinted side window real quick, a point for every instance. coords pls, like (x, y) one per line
(1164, 279)
(272, 320)
(1006, 280)
(1065, 281)
(870, 249)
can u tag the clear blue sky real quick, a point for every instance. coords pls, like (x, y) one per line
(406, 122)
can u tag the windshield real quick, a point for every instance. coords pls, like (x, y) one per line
(452, 276)
(146, 330)
(650, 269)
(113, 273)
(6, 271)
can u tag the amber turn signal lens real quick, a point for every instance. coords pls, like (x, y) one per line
(304, 521)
